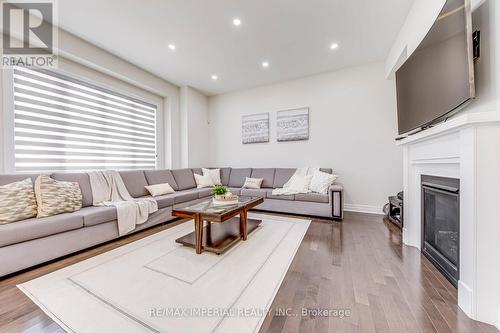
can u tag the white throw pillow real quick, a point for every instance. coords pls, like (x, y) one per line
(214, 173)
(253, 182)
(304, 171)
(321, 181)
(300, 183)
(160, 189)
(203, 181)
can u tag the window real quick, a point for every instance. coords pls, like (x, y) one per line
(61, 123)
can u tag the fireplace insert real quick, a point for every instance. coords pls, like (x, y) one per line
(441, 224)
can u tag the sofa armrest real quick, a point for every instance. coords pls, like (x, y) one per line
(336, 193)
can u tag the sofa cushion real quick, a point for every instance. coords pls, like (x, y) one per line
(238, 176)
(312, 197)
(34, 228)
(135, 181)
(82, 179)
(154, 177)
(186, 195)
(184, 178)
(279, 197)
(235, 190)
(327, 170)
(96, 215)
(204, 192)
(250, 192)
(267, 174)
(7, 179)
(224, 175)
(164, 201)
(281, 176)
(197, 171)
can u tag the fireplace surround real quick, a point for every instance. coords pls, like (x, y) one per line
(465, 147)
(441, 224)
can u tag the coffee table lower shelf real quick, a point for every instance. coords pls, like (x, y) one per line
(220, 237)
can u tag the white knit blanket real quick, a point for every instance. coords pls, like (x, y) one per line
(287, 190)
(108, 189)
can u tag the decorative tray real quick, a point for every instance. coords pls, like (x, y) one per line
(226, 200)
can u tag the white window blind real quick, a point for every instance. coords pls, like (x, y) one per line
(62, 123)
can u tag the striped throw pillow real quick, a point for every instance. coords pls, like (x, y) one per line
(17, 201)
(55, 197)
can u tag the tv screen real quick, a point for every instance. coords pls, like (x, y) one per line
(438, 78)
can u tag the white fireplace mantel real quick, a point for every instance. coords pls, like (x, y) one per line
(465, 147)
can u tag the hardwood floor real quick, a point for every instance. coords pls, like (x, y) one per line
(358, 266)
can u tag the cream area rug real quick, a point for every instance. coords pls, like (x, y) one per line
(157, 285)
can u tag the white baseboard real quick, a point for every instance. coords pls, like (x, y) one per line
(465, 299)
(363, 209)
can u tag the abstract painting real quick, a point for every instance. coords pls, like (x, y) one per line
(255, 128)
(293, 125)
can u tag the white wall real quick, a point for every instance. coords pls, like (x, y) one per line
(114, 71)
(420, 19)
(486, 18)
(352, 129)
(195, 140)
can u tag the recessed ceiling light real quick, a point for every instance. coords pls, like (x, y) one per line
(171, 46)
(215, 77)
(334, 46)
(237, 22)
(265, 64)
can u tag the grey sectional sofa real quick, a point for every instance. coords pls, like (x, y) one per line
(33, 241)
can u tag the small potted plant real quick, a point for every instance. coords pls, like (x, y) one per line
(219, 191)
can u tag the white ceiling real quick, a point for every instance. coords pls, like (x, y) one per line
(293, 35)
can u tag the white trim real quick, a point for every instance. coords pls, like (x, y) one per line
(454, 124)
(465, 296)
(363, 209)
(444, 160)
(8, 121)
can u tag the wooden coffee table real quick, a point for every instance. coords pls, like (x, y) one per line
(223, 228)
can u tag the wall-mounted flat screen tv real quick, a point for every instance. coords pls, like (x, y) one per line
(437, 80)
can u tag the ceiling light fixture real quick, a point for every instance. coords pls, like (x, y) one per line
(215, 77)
(236, 22)
(265, 64)
(171, 46)
(334, 46)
